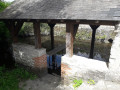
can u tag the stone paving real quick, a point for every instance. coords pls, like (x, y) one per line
(50, 82)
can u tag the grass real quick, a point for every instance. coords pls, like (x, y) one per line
(9, 79)
(77, 83)
(91, 82)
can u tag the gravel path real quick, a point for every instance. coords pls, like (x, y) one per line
(50, 82)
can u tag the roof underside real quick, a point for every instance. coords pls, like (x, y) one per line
(63, 9)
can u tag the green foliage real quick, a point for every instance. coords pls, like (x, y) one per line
(3, 5)
(9, 79)
(77, 83)
(91, 82)
(26, 28)
(44, 27)
(4, 33)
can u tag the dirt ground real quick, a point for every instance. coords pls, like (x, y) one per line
(53, 82)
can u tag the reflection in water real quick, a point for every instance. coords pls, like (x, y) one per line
(97, 56)
(81, 48)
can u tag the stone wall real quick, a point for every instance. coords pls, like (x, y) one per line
(27, 55)
(115, 54)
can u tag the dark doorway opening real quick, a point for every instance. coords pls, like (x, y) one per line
(54, 64)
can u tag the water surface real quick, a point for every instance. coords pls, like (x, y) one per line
(81, 48)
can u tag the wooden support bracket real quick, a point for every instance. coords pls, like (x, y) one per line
(14, 28)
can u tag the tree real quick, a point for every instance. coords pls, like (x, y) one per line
(6, 54)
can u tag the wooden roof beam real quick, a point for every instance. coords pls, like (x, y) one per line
(64, 21)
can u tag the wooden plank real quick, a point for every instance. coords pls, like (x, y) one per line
(56, 50)
(36, 26)
(94, 28)
(69, 39)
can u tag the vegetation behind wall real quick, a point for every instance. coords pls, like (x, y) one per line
(6, 55)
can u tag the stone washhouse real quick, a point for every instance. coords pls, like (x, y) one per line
(72, 13)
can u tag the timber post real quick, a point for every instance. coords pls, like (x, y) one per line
(52, 35)
(75, 29)
(69, 39)
(36, 26)
(94, 28)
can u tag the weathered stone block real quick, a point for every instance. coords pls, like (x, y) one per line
(81, 67)
(29, 56)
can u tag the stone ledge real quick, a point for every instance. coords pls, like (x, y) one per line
(81, 67)
(82, 62)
